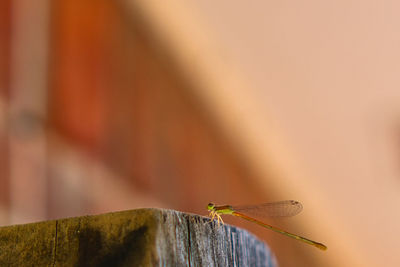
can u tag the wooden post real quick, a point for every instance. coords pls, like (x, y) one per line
(143, 237)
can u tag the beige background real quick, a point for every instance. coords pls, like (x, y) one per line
(314, 87)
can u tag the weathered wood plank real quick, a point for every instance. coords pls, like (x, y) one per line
(143, 237)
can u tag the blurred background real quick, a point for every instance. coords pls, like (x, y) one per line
(113, 105)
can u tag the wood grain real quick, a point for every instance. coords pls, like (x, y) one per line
(143, 237)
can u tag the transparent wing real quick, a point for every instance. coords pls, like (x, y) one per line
(284, 208)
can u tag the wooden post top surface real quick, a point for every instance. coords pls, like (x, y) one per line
(142, 237)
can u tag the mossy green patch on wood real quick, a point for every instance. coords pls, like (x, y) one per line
(27, 243)
(120, 237)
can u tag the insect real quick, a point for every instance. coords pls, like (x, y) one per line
(274, 209)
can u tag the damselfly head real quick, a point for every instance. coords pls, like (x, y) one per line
(210, 206)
